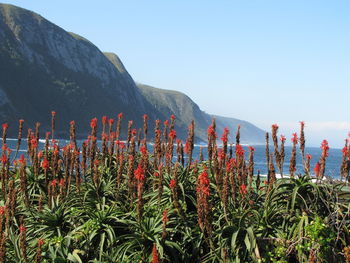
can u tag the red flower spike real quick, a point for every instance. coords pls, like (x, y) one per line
(143, 150)
(224, 137)
(104, 119)
(41, 242)
(325, 148)
(172, 134)
(230, 164)
(345, 151)
(34, 143)
(172, 117)
(165, 218)
(133, 132)
(120, 115)
(203, 183)
(283, 138)
(139, 173)
(239, 150)
(221, 155)
(105, 136)
(317, 169)
(40, 154)
(53, 183)
(155, 257)
(251, 149)
(22, 160)
(2, 210)
(62, 182)
(4, 147)
(295, 138)
(22, 229)
(187, 147)
(172, 183)
(93, 123)
(243, 189)
(211, 131)
(4, 158)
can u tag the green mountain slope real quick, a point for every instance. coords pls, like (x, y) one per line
(179, 104)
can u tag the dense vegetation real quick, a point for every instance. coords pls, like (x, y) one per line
(118, 201)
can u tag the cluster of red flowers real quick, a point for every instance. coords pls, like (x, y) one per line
(243, 190)
(172, 183)
(221, 155)
(283, 138)
(295, 138)
(93, 123)
(203, 183)
(239, 150)
(317, 169)
(140, 173)
(172, 134)
(224, 137)
(211, 132)
(325, 148)
(45, 164)
(104, 120)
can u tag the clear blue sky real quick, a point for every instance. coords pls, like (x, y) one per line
(262, 61)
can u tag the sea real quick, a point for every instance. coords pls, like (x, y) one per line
(332, 165)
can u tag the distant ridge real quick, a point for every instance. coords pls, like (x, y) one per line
(179, 104)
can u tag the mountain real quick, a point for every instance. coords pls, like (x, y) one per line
(250, 134)
(179, 104)
(45, 68)
(173, 102)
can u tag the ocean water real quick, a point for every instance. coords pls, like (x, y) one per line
(332, 165)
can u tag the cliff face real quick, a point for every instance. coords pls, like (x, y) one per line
(45, 68)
